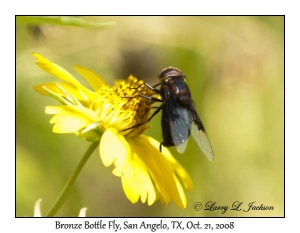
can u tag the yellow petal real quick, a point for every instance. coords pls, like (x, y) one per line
(130, 186)
(180, 171)
(59, 72)
(137, 183)
(161, 171)
(93, 79)
(141, 175)
(135, 177)
(181, 193)
(70, 119)
(53, 86)
(54, 69)
(114, 149)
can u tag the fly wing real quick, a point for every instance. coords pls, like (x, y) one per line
(199, 134)
(179, 123)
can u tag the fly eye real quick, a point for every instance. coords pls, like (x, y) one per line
(172, 73)
(168, 72)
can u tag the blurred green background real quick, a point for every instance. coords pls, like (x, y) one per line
(235, 70)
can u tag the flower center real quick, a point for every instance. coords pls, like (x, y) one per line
(121, 106)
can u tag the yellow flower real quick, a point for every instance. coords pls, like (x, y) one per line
(103, 114)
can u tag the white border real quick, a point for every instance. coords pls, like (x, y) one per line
(9, 9)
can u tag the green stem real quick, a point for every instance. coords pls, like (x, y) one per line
(67, 189)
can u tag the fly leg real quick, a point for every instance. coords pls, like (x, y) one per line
(149, 98)
(161, 144)
(153, 87)
(149, 86)
(156, 111)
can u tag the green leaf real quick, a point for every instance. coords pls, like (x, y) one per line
(62, 20)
